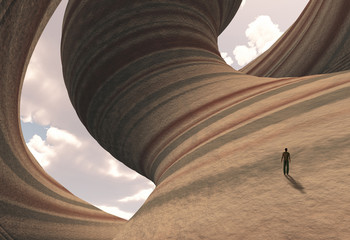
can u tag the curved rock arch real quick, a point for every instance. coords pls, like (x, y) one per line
(175, 112)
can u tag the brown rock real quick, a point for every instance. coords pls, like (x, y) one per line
(147, 80)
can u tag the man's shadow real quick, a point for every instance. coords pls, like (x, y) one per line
(295, 183)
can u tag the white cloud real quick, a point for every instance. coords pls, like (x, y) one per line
(27, 119)
(244, 54)
(57, 141)
(41, 117)
(227, 58)
(57, 137)
(262, 34)
(116, 169)
(116, 211)
(41, 151)
(140, 196)
(89, 172)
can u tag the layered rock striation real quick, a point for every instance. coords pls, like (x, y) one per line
(147, 80)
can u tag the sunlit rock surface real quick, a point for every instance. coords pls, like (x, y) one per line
(147, 80)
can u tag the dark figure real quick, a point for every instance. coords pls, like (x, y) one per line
(286, 160)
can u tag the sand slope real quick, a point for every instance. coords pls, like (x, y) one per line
(147, 80)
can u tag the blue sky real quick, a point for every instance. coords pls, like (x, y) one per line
(62, 145)
(30, 129)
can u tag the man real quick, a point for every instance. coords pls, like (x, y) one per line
(287, 160)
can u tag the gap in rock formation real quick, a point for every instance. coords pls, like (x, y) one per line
(46, 111)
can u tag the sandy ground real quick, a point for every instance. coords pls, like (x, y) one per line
(238, 190)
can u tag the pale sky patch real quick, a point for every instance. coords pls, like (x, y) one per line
(47, 151)
(114, 169)
(33, 69)
(44, 98)
(116, 212)
(140, 196)
(262, 34)
(244, 54)
(227, 58)
(90, 172)
(42, 152)
(57, 136)
(27, 118)
(41, 116)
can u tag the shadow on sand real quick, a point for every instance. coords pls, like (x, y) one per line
(295, 183)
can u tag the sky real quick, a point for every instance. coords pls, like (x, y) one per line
(62, 145)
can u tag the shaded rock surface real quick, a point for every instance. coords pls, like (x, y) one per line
(147, 81)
